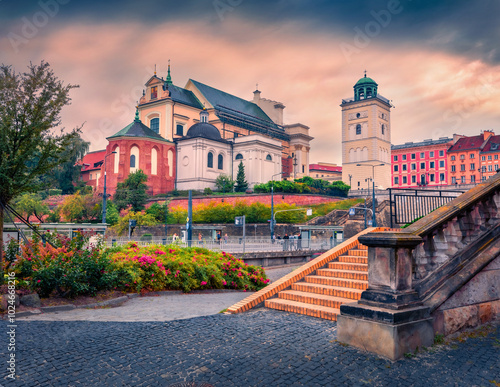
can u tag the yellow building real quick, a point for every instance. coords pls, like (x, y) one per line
(366, 137)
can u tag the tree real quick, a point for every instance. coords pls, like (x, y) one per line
(224, 183)
(241, 183)
(30, 107)
(132, 192)
(66, 175)
(80, 208)
(30, 204)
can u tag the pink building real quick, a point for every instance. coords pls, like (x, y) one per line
(420, 164)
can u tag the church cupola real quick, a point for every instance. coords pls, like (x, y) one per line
(168, 80)
(365, 88)
(204, 115)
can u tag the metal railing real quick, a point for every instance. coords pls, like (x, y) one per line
(407, 205)
(234, 244)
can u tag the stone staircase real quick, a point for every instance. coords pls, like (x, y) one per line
(321, 293)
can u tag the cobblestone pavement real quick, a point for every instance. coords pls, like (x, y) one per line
(258, 348)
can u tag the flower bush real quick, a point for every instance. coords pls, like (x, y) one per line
(172, 268)
(70, 267)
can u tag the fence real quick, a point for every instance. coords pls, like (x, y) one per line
(236, 245)
(407, 205)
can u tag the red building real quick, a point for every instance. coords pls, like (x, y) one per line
(420, 164)
(91, 167)
(473, 159)
(138, 147)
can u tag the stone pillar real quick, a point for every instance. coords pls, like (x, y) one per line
(389, 319)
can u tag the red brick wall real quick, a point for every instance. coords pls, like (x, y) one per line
(299, 200)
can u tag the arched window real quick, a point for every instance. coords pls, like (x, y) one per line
(358, 129)
(134, 158)
(220, 162)
(154, 161)
(210, 160)
(154, 125)
(239, 156)
(269, 158)
(117, 159)
(170, 158)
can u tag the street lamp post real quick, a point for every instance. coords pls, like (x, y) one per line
(272, 203)
(374, 219)
(104, 194)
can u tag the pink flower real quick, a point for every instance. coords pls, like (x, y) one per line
(152, 275)
(38, 281)
(224, 282)
(203, 283)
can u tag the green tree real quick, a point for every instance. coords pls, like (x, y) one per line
(132, 192)
(224, 183)
(140, 217)
(29, 204)
(66, 175)
(80, 208)
(30, 107)
(241, 183)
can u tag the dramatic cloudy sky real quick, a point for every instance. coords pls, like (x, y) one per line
(438, 61)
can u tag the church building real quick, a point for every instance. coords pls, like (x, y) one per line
(184, 138)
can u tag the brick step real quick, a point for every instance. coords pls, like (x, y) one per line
(302, 308)
(330, 281)
(347, 274)
(362, 247)
(336, 291)
(348, 266)
(313, 298)
(358, 252)
(353, 259)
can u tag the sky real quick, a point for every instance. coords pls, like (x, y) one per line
(437, 61)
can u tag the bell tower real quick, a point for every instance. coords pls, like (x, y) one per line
(366, 137)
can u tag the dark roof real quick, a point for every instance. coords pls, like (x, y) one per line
(444, 140)
(493, 145)
(187, 97)
(137, 129)
(220, 98)
(205, 130)
(468, 143)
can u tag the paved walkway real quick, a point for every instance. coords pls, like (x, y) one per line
(258, 348)
(160, 308)
(156, 341)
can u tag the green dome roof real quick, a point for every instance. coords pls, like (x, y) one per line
(365, 80)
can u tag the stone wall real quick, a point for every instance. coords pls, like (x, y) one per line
(297, 199)
(476, 303)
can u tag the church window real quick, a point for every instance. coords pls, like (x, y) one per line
(134, 158)
(116, 163)
(210, 160)
(220, 162)
(154, 125)
(358, 115)
(239, 156)
(383, 128)
(154, 161)
(303, 168)
(269, 158)
(179, 130)
(358, 129)
(154, 92)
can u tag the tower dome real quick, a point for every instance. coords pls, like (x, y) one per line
(365, 88)
(203, 128)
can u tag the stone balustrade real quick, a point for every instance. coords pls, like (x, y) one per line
(407, 267)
